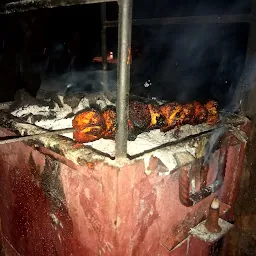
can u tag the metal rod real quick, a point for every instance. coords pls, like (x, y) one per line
(35, 136)
(242, 18)
(103, 37)
(212, 221)
(104, 48)
(29, 5)
(123, 76)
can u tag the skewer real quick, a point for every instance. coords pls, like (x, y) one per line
(35, 136)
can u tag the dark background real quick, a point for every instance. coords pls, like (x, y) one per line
(183, 62)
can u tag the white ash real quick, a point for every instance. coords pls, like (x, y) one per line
(201, 232)
(84, 103)
(57, 115)
(31, 109)
(148, 141)
(55, 124)
(60, 116)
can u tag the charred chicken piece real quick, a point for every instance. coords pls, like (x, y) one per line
(132, 132)
(212, 116)
(200, 113)
(139, 115)
(89, 126)
(187, 115)
(109, 116)
(172, 113)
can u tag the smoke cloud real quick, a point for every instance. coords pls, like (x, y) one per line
(193, 62)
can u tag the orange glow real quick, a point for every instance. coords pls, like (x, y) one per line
(155, 114)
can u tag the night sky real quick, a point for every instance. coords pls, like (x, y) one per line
(184, 62)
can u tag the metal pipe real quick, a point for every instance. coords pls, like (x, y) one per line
(5, 140)
(103, 37)
(29, 5)
(123, 76)
(104, 48)
(212, 221)
(209, 19)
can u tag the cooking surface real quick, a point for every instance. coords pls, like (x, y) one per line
(59, 114)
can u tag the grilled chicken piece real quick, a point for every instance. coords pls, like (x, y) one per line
(172, 113)
(139, 115)
(212, 116)
(89, 126)
(187, 115)
(200, 113)
(92, 125)
(109, 116)
(157, 119)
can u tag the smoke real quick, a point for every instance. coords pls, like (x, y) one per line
(183, 62)
(85, 81)
(194, 62)
(213, 143)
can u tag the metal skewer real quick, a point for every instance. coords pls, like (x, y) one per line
(35, 136)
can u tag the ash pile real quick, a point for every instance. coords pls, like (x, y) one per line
(55, 111)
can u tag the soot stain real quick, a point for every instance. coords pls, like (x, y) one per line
(51, 184)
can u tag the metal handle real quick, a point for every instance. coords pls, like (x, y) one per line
(188, 197)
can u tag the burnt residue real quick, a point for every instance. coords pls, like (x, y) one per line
(34, 145)
(51, 184)
(23, 98)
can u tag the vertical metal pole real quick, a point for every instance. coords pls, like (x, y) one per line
(104, 48)
(123, 76)
(103, 38)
